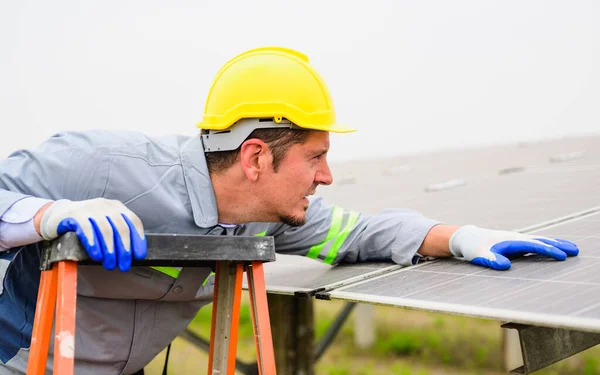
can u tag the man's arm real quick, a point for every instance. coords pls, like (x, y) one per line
(437, 241)
(335, 235)
(37, 219)
(29, 179)
(71, 171)
(17, 224)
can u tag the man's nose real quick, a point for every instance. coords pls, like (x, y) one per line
(324, 176)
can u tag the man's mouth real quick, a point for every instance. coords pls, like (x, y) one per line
(311, 192)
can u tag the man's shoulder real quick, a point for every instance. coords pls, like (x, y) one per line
(117, 138)
(117, 142)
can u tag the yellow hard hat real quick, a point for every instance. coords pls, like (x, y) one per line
(270, 82)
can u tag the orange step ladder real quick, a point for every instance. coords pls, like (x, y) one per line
(229, 256)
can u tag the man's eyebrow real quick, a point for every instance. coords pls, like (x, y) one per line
(320, 151)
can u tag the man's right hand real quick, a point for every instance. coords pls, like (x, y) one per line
(107, 229)
(492, 248)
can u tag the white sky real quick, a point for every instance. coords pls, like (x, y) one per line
(411, 75)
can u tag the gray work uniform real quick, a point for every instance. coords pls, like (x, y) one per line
(125, 319)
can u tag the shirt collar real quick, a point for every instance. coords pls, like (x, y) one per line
(198, 184)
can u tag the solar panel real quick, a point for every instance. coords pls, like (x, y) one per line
(535, 290)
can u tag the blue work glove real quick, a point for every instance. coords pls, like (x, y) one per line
(492, 248)
(109, 231)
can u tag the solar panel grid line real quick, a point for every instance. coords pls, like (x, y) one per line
(576, 270)
(522, 278)
(438, 285)
(499, 300)
(538, 298)
(507, 315)
(566, 236)
(384, 276)
(455, 293)
(574, 297)
(559, 220)
(454, 277)
(591, 307)
(563, 302)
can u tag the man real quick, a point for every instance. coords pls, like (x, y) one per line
(252, 171)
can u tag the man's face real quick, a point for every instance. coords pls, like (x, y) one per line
(302, 169)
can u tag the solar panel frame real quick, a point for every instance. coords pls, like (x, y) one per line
(295, 275)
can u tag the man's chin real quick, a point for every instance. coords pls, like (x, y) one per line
(293, 221)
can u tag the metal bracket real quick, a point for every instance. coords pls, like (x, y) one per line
(543, 346)
(231, 138)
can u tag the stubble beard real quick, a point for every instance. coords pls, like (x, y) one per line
(293, 221)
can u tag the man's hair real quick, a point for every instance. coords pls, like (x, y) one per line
(279, 141)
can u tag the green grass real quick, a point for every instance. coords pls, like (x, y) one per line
(407, 342)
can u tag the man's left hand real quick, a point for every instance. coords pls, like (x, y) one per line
(492, 248)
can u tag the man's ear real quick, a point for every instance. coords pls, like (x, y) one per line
(255, 158)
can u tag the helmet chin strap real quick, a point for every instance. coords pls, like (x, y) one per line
(231, 138)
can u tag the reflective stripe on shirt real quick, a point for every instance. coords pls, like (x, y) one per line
(335, 234)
